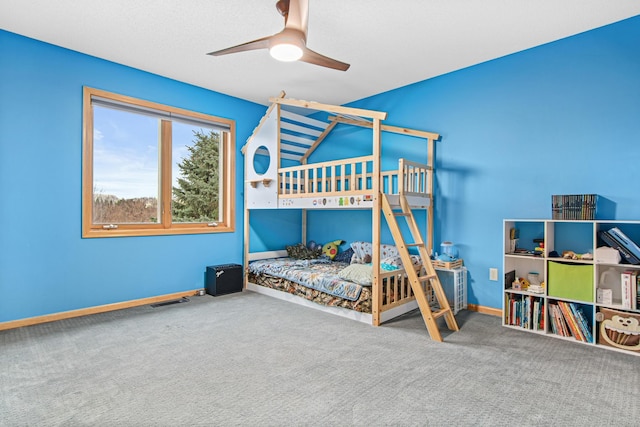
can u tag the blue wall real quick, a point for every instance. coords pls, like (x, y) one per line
(45, 266)
(562, 118)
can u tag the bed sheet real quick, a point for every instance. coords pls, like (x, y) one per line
(316, 274)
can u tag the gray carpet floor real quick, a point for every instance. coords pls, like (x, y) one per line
(247, 359)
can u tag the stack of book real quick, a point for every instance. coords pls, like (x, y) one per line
(568, 320)
(575, 206)
(525, 311)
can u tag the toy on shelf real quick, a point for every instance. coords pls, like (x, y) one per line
(575, 256)
(539, 249)
(513, 240)
(520, 284)
(529, 284)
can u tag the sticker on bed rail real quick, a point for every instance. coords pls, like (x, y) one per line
(350, 202)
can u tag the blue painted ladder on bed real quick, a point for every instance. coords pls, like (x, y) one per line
(419, 283)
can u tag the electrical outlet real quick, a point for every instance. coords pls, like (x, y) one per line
(493, 274)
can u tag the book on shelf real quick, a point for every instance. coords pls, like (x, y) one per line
(574, 206)
(582, 322)
(571, 321)
(525, 311)
(553, 324)
(565, 325)
(629, 289)
(571, 327)
(566, 332)
(560, 317)
(568, 320)
(560, 324)
(511, 317)
(634, 290)
(638, 291)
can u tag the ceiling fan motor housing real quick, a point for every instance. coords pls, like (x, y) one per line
(283, 7)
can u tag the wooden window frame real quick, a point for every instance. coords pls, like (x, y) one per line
(165, 226)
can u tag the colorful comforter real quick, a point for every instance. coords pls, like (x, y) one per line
(317, 274)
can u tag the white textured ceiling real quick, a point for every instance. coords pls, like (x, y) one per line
(388, 43)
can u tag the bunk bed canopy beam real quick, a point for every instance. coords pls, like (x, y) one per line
(386, 128)
(380, 115)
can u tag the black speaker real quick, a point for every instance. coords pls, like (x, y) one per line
(223, 279)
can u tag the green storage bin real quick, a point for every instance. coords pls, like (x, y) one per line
(570, 281)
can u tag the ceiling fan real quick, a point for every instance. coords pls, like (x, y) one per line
(290, 44)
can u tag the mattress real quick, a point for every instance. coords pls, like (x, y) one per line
(314, 280)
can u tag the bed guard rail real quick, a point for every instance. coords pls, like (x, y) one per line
(417, 178)
(332, 178)
(353, 176)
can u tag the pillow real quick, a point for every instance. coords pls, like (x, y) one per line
(357, 273)
(300, 251)
(392, 261)
(344, 256)
(362, 252)
(396, 261)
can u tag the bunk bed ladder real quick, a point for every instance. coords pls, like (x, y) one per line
(419, 283)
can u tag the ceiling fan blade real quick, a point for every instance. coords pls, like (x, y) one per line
(315, 58)
(298, 16)
(262, 43)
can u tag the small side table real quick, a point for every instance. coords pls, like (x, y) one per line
(454, 283)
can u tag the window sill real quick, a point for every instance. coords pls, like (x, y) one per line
(133, 232)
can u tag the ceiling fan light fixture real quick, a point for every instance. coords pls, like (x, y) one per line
(286, 52)
(290, 44)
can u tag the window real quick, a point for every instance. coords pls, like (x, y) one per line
(151, 169)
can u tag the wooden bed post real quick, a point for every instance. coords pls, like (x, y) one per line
(245, 274)
(375, 225)
(245, 270)
(430, 162)
(279, 183)
(304, 236)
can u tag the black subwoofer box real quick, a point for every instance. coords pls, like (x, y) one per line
(223, 279)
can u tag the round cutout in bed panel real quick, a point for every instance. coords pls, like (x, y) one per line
(261, 160)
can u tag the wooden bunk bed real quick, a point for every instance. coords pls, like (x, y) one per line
(352, 183)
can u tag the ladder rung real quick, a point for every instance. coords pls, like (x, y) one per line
(425, 278)
(415, 244)
(401, 214)
(440, 313)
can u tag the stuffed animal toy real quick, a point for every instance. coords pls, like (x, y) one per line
(331, 249)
